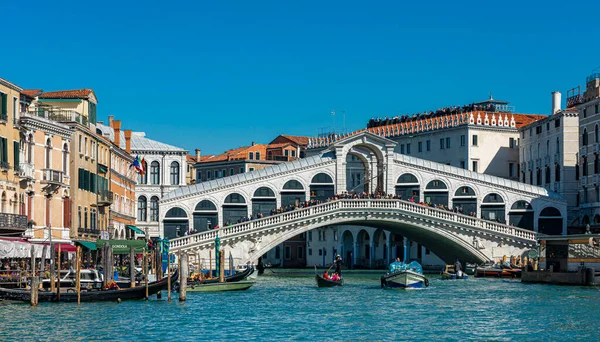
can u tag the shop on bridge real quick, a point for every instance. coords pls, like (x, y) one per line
(292, 193)
(234, 209)
(322, 187)
(263, 201)
(176, 223)
(206, 216)
(521, 215)
(408, 187)
(465, 198)
(493, 208)
(436, 192)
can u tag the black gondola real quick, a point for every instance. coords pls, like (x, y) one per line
(231, 279)
(138, 292)
(322, 282)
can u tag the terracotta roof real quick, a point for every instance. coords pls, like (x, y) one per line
(31, 92)
(67, 94)
(525, 119)
(279, 145)
(296, 139)
(240, 153)
(192, 159)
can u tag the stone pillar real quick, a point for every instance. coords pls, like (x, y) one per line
(389, 248)
(340, 170)
(406, 249)
(355, 253)
(372, 251)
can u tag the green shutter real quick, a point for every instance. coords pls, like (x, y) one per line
(4, 106)
(16, 156)
(79, 179)
(4, 150)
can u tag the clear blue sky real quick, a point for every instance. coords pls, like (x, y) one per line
(218, 76)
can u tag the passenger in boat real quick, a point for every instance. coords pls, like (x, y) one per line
(326, 276)
(458, 268)
(335, 277)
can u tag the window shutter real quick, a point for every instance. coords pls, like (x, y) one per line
(16, 156)
(4, 150)
(4, 106)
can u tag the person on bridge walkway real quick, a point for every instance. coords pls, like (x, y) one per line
(338, 265)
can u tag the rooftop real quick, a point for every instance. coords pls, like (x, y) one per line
(67, 94)
(139, 142)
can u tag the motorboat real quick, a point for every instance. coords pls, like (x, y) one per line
(449, 273)
(505, 270)
(404, 276)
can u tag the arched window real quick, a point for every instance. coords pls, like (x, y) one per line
(154, 209)
(596, 134)
(322, 178)
(584, 138)
(547, 176)
(293, 185)
(584, 166)
(154, 173)
(538, 150)
(257, 155)
(143, 178)
(142, 202)
(206, 205)
(48, 153)
(548, 147)
(557, 147)
(235, 198)
(65, 158)
(557, 173)
(174, 173)
(30, 149)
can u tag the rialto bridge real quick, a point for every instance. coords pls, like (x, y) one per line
(497, 216)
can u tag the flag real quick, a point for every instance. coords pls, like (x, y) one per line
(143, 166)
(137, 164)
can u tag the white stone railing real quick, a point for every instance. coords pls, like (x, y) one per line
(351, 205)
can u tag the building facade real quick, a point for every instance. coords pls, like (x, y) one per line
(13, 221)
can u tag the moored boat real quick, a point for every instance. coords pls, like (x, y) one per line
(231, 279)
(470, 268)
(498, 271)
(113, 295)
(322, 282)
(449, 274)
(404, 276)
(220, 287)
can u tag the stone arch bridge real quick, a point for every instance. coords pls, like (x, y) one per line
(492, 216)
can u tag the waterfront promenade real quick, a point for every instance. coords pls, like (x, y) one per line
(291, 307)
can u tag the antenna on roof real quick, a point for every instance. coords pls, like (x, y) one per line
(491, 98)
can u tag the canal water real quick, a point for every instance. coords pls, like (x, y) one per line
(289, 306)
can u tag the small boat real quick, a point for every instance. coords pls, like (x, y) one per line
(470, 268)
(449, 273)
(498, 271)
(231, 279)
(253, 275)
(404, 276)
(132, 293)
(322, 282)
(220, 287)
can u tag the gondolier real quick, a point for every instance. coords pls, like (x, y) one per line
(338, 265)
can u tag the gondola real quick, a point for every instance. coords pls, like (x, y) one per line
(138, 292)
(231, 279)
(322, 282)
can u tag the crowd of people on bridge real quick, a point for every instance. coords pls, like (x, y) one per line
(377, 122)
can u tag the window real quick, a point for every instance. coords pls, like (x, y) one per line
(335, 235)
(420, 146)
(310, 251)
(538, 177)
(441, 143)
(511, 142)
(310, 235)
(320, 235)
(208, 175)
(402, 149)
(15, 106)
(154, 173)
(4, 152)
(79, 217)
(475, 140)
(557, 146)
(154, 209)
(294, 153)
(584, 137)
(557, 173)
(538, 129)
(596, 134)
(475, 166)
(462, 164)
(257, 155)
(286, 153)
(288, 252)
(16, 152)
(85, 147)
(547, 175)
(251, 155)
(584, 112)
(448, 142)
(548, 126)
(224, 173)
(557, 123)
(85, 220)
(595, 163)
(584, 166)
(428, 145)
(511, 170)
(407, 148)
(231, 172)
(92, 219)
(65, 156)
(251, 169)
(577, 171)
(142, 208)
(241, 170)
(596, 109)
(80, 140)
(174, 173)
(463, 139)
(143, 178)
(4, 112)
(300, 252)
(48, 153)
(198, 176)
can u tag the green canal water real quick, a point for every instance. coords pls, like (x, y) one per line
(290, 307)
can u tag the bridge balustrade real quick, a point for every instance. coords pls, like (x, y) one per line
(301, 213)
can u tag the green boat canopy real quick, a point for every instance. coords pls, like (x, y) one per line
(87, 244)
(135, 229)
(122, 246)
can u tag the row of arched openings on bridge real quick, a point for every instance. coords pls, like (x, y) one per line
(234, 207)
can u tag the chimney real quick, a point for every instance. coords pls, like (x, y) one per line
(197, 155)
(110, 120)
(116, 124)
(556, 101)
(253, 143)
(127, 140)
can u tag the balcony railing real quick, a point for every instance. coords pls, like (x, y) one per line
(584, 181)
(52, 177)
(547, 160)
(105, 198)
(557, 158)
(59, 115)
(583, 151)
(4, 165)
(88, 231)
(26, 170)
(574, 100)
(13, 221)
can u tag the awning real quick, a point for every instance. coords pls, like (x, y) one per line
(135, 229)
(122, 246)
(64, 247)
(89, 245)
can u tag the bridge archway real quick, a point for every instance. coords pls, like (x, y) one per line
(363, 249)
(322, 187)
(550, 221)
(176, 223)
(356, 173)
(292, 193)
(466, 199)
(521, 215)
(436, 192)
(347, 252)
(493, 208)
(408, 186)
(380, 249)
(371, 153)
(263, 201)
(234, 208)
(206, 216)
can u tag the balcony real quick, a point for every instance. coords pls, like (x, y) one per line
(88, 231)
(583, 151)
(596, 147)
(557, 158)
(12, 222)
(4, 166)
(52, 177)
(105, 198)
(59, 115)
(538, 163)
(547, 160)
(530, 165)
(584, 180)
(26, 171)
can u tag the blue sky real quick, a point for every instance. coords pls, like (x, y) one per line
(218, 76)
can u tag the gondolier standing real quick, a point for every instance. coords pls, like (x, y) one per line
(338, 265)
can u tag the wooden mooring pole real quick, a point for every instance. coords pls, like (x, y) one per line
(78, 275)
(221, 268)
(157, 265)
(169, 277)
(146, 273)
(184, 275)
(35, 286)
(131, 266)
(58, 272)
